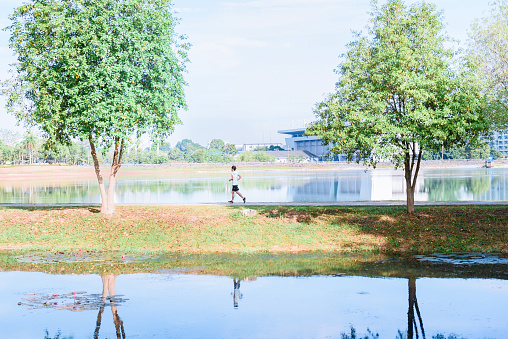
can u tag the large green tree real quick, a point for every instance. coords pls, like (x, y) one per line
(98, 70)
(488, 48)
(398, 93)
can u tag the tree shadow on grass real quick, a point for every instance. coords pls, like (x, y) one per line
(429, 229)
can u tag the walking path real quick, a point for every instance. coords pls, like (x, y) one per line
(338, 203)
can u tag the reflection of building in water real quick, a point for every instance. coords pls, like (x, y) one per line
(356, 186)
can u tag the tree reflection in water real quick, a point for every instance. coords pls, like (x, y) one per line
(108, 287)
(413, 305)
(412, 325)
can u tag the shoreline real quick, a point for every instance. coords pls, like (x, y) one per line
(13, 173)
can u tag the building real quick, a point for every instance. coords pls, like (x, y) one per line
(297, 141)
(499, 141)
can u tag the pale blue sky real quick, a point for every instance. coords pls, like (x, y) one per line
(260, 66)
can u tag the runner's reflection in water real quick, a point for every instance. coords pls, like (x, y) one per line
(108, 287)
(237, 295)
(236, 292)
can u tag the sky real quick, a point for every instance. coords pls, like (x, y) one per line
(259, 66)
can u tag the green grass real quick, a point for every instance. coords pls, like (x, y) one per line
(276, 229)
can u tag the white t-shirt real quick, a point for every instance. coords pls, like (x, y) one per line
(235, 175)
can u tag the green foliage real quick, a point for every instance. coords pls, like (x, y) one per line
(217, 144)
(263, 157)
(249, 156)
(139, 156)
(275, 148)
(230, 149)
(488, 39)
(165, 147)
(176, 154)
(482, 151)
(398, 93)
(494, 153)
(108, 69)
(6, 153)
(187, 145)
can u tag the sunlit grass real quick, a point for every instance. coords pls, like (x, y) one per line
(223, 229)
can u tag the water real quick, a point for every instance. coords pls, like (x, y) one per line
(275, 186)
(298, 297)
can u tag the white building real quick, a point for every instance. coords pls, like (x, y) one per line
(499, 141)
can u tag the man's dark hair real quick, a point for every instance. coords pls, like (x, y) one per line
(233, 167)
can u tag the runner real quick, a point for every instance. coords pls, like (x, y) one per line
(235, 177)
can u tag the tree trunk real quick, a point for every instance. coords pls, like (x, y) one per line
(102, 187)
(409, 165)
(108, 202)
(410, 193)
(117, 163)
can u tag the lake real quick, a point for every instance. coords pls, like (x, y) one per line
(273, 186)
(265, 296)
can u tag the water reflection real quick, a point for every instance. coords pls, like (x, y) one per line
(237, 295)
(309, 186)
(236, 292)
(412, 326)
(108, 287)
(286, 296)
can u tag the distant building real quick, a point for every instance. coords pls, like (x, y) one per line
(308, 143)
(499, 141)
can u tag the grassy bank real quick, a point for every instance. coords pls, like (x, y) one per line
(276, 229)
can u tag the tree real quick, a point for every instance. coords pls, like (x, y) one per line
(230, 149)
(176, 154)
(247, 156)
(6, 153)
(97, 70)
(398, 94)
(165, 147)
(488, 42)
(217, 144)
(199, 155)
(30, 145)
(480, 152)
(187, 145)
(263, 157)
(275, 148)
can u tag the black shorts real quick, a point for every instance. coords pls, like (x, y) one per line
(235, 188)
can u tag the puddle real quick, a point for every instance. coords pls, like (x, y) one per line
(464, 259)
(265, 296)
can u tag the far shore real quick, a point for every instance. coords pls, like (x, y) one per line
(65, 172)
